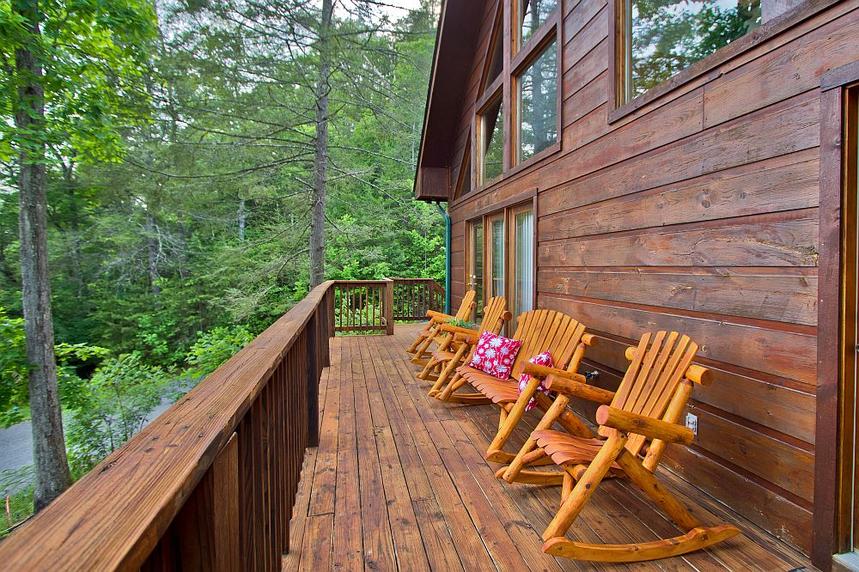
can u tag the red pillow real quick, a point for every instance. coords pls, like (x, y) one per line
(495, 355)
(545, 359)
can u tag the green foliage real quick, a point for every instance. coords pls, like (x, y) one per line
(94, 56)
(214, 347)
(178, 191)
(463, 324)
(15, 484)
(13, 369)
(111, 407)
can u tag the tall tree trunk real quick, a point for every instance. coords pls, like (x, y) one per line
(242, 219)
(320, 162)
(49, 450)
(153, 249)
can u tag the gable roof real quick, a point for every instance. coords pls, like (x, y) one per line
(455, 43)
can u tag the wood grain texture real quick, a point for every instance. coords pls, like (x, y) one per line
(125, 510)
(446, 510)
(697, 210)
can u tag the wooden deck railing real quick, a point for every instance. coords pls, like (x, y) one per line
(210, 484)
(363, 306)
(374, 305)
(414, 296)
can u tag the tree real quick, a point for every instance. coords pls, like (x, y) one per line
(320, 163)
(71, 69)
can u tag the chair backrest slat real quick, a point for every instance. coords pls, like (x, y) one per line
(493, 314)
(658, 365)
(466, 306)
(546, 330)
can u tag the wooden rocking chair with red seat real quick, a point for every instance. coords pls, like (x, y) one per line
(646, 408)
(457, 346)
(539, 331)
(429, 332)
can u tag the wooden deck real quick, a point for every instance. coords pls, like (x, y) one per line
(399, 483)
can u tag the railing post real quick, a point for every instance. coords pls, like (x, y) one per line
(312, 382)
(389, 307)
(332, 326)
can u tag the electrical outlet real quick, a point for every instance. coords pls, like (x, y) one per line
(692, 423)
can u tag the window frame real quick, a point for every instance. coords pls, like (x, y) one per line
(618, 108)
(520, 67)
(515, 62)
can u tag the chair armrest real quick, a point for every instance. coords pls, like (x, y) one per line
(438, 316)
(543, 372)
(569, 382)
(466, 337)
(576, 388)
(642, 425)
(458, 330)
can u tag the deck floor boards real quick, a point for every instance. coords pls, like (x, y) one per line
(399, 482)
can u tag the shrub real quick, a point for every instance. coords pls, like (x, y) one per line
(111, 407)
(214, 347)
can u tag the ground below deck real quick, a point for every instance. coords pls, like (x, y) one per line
(399, 483)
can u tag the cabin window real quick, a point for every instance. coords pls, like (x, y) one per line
(537, 99)
(660, 38)
(496, 62)
(492, 141)
(518, 118)
(463, 181)
(532, 15)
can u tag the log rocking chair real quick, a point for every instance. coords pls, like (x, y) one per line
(636, 424)
(539, 331)
(457, 346)
(428, 333)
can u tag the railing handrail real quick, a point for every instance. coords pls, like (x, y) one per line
(114, 516)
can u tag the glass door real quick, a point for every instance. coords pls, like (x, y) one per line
(522, 263)
(475, 266)
(495, 276)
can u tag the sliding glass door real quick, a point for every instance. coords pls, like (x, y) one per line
(500, 258)
(522, 272)
(475, 265)
(496, 276)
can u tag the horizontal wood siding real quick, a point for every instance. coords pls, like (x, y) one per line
(696, 212)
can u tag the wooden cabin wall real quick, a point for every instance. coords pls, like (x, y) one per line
(696, 213)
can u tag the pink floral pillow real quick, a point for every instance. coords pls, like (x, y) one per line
(545, 359)
(495, 355)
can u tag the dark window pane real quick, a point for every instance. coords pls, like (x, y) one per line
(538, 103)
(493, 142)
(532, 15)
(465, 177)
(668, 36)
(496, 64)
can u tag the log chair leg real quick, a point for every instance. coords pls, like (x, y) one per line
(421, 351)
(448, 370)
(425, 372)
(650, 486)
(455, 383)
(419, 339)
(508, 422)
(554, 411)
(586, 487)
(567, 487)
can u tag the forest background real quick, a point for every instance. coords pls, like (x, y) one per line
(183, 165)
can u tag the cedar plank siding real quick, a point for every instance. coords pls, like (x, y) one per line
(697, 212)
